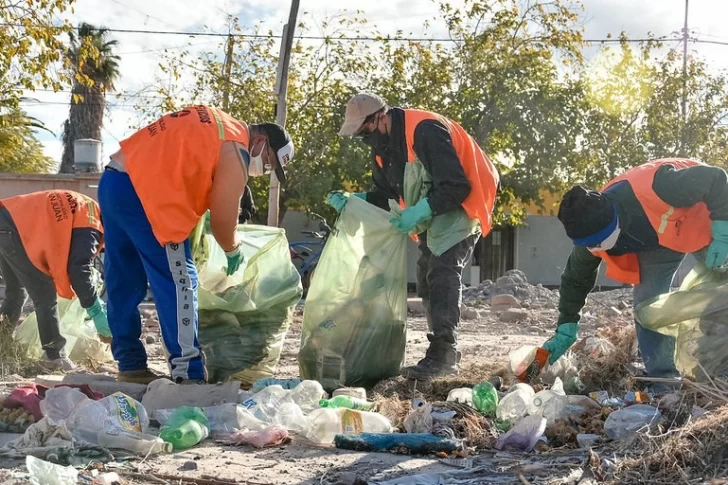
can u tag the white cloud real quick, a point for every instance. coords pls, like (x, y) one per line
(140, 53)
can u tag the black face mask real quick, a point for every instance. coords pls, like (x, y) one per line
(376, 140)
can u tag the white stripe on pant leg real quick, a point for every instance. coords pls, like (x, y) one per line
(185, 310)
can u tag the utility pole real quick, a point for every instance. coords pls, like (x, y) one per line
(683, 111)
(227, 70)
(282, 90)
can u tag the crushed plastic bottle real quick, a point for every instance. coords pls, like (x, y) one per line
(139, 443)
(46, 473)
(346, 402)
(623, 423)
(261, 384)
(307, 395)
(462, 395)
(516, 403)
(115, 412)
(326, 423)
(60, 403)
(357, 392)
(186, 427)
(270, 436)
(550, 403)
(266, 404)
(485, 398)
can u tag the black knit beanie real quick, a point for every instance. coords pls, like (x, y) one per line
(585, 212)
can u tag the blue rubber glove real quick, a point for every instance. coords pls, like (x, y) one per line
(717, 255)
(562, 341)
(338, 199)
(97, 312)
(412, 216)
(234, 259)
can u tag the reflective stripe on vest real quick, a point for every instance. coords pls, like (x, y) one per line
(45, 222)
(172, 163)
(685, 230)
(479, 170)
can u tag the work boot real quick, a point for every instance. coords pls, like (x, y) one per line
(144, 376)
(434, 365)
(61, 363)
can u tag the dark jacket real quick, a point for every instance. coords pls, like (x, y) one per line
(434, 148)
(678, 188)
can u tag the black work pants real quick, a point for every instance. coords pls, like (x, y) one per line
(439, 284)
(22, 278)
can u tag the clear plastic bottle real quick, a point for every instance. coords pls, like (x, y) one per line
(550, 403)
(307, 395)
(346, 402)
(463, 395)
(516, 403)
(139, 443)
(326, 423)
(231, 416)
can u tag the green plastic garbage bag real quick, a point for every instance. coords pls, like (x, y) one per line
(244, 317)
(354, 331)
(82, 340)
(697, 316)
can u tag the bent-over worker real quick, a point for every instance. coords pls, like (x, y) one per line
(48, 242)
(641, 224)
(152, 194)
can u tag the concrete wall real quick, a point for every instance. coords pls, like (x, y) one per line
(542, 249)
(12, 184)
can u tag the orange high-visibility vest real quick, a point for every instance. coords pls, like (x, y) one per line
(479, 170)
(685, 230)
(45, 221)
(172, 162)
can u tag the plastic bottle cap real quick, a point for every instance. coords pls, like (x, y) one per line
(418, 403)
(324, 403)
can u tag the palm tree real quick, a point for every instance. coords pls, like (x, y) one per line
(86, 115)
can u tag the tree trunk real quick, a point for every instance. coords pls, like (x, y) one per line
(85, 120)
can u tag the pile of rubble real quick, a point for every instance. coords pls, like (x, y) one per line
(514, 283)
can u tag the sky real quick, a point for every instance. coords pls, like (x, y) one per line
(140, 53)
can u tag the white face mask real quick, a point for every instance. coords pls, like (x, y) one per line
(608, 243)
(256, 168)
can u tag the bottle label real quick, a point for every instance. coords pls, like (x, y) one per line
(126, 412)
(250, 404)
(351, 422)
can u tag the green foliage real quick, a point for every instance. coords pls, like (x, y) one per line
(20, 150)
(29, 46)
(515, 78)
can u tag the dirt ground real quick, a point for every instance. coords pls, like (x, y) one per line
(485, 339)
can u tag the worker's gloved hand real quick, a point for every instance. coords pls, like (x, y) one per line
(97, 312)
(338, 199)
(560, 343)
(234, 259)
(412, 216)
(717, 255)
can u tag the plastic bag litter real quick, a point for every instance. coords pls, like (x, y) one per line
(244, 317)
(623, 423)
(46, 473)
(354, 331)
(523, 436)
(82, 340)
(697, 316)
(60, 403)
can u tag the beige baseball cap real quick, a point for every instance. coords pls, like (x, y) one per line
(357, 109)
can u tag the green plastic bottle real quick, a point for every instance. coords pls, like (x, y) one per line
(185, 428)
(485, 398)
(346, 402)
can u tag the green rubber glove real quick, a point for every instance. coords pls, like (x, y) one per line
(338, 199)
(97, 312)
(717, 255)
(412, 216)
(234, 259)
(560, 343)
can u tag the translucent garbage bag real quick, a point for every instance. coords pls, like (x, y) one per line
(244, 317)
(697, 316)
(354, 330)
(82, 340)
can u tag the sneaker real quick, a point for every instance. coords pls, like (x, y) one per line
(61, 363)
(144, 376)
